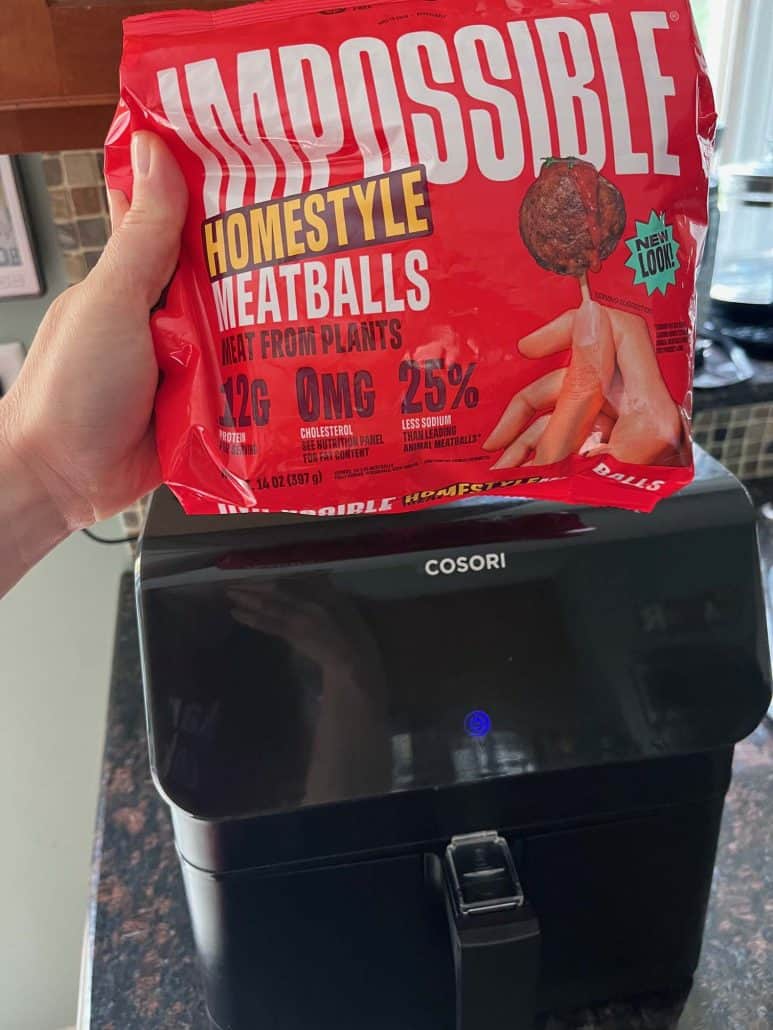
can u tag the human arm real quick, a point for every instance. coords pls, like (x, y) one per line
(77, 440)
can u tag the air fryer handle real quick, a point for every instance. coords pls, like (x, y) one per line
(495, 936)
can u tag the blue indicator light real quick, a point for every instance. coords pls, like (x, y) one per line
(477, 723)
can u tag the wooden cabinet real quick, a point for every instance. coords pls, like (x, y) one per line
(59, 68)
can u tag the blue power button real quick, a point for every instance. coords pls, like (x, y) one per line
(477, 723)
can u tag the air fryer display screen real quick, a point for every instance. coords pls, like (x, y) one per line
(497, 650)
(477, 684)
(309, 693)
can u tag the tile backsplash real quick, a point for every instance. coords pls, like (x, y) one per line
(740, 437)
(76, 186)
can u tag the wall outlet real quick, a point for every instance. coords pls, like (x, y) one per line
(11, 361)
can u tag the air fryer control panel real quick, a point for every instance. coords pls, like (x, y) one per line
(533, 641)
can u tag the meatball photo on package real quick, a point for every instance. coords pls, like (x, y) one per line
(433, 250)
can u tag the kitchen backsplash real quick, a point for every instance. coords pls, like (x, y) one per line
(741, 437)
(76, 186)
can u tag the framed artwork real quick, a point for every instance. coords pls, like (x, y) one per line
(19, 273)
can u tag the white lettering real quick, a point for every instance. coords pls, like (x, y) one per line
(344, 289)
(531, 84)
(370, 306)
(651, 485)
(317, 146)
(657, 86)
(510, 164)
(370, 507)
(627, 162)
(290, 274)
(268, 297)
(416, 262)
(210, 105)
(172, 103)
(570, 88)
(464, 564)
(452, 167)
(223, 292)
(390, 114)
(244, 296)
(262, 120)
(391, 302)
(315, 280)
(284, 123)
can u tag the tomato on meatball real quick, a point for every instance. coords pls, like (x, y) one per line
(572, 218)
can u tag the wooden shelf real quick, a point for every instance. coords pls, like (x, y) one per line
(59, 68)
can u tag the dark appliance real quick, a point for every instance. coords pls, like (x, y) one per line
(449, 769)
(742, 281)
(735, 278)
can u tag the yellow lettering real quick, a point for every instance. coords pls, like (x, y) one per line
(413, 201)
(364, 200)
(318, 222)
(317, 237)
(293, 226)
(214, 244)
(337, 197)
(391, 227)
(238, 242)
(266, 232)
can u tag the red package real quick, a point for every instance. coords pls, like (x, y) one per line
(433, 249)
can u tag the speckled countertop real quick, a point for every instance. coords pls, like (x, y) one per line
(141, 972)
(757, 390)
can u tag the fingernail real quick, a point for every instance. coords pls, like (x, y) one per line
(140, 154)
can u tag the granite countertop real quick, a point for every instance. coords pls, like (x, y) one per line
(140, 966)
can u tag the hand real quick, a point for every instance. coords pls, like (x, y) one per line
(350, 755)
(80, 417)
(336, 640)
(611, 399)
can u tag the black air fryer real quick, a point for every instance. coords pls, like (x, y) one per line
(444, 771)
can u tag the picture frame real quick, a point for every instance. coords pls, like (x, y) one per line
(19, 270)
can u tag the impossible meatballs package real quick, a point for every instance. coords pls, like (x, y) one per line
(434, 249)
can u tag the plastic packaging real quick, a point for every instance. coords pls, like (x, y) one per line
(433, 250)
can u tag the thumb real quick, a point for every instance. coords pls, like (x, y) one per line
(141, 255)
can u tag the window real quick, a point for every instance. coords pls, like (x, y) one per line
(737, 37)
(710, 17)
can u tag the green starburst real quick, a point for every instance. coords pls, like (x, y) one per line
(654, 254)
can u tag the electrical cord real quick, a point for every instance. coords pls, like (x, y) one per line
(110, 540)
